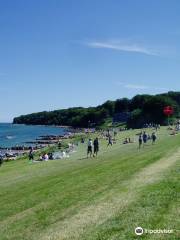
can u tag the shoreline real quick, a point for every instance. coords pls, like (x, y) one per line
(41, 143)
(45, 140)
(10, 139)
(41, 125)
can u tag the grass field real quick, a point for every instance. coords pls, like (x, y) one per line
(94, 199)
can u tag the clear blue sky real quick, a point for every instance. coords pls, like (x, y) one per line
(58, 54)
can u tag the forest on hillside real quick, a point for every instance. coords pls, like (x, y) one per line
(141, 109)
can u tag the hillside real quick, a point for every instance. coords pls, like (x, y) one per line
(140, 109)
(94, 199)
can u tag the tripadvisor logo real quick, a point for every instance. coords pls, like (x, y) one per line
(139, 231)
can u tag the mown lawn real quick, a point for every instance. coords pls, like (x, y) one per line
(94, 199)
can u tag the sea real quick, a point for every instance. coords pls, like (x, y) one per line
(17, 134)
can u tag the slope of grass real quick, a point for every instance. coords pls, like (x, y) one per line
(103, 198)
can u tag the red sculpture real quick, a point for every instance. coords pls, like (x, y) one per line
(168, 111)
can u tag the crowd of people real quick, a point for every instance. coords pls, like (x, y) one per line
(144, 137)
(50, 155)
(152, 125)
(93, 146)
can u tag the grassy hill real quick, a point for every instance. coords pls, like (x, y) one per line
(94, 199)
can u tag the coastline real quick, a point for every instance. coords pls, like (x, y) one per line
(40, 125)
(48, 141)
(21, 135)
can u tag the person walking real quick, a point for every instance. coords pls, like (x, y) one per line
(144, 138)
(140, 141)
(109, 140)
(1, 160)
(153, 137)
(96, 147)
(31, 155)
(89, 148)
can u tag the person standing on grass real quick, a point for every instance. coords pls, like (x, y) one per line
(144, 138)
(1, 161)
(109, 140)
(96, 147)
(115, 134)
(153, 137)
(140, 141)
(31, 155)
(89, 149)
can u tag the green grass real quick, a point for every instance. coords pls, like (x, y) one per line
(109, 124)
(94, 199)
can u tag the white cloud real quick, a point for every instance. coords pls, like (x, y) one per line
(125, 47)
(134, 86)
(140, 87)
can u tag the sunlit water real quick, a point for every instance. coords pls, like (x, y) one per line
(12, 135)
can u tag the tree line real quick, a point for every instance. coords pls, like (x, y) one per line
(142, 108)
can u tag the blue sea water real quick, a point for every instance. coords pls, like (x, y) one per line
(13, 134)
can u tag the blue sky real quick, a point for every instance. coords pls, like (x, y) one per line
(58, 54)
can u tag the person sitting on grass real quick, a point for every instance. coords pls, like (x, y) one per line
(126, 141)
(89, 149)
(50, 155)
(96, 147)
(45, 157)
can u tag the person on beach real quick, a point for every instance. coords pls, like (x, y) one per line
(89, 149)
(153, 137)
(96, 147)
(31, 155)
(140, 141)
